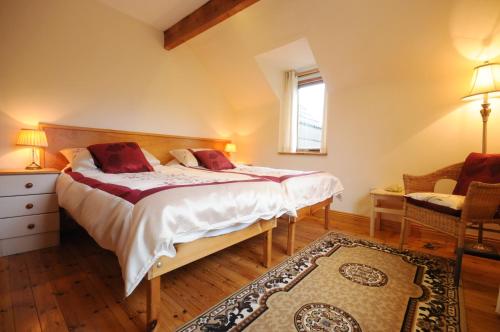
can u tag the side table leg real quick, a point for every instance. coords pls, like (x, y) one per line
(373, 215)
(378, 217)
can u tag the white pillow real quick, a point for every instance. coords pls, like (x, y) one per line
(79, 159)
(451, 201)
(152, 160)
(173, 162)
(185, 157)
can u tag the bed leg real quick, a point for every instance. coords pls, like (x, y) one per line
(268, 247)
(290, 246)
(327, 216)
(153, 304)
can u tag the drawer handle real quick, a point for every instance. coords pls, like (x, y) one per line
(28, 185)
(31, 226)
(29, 206)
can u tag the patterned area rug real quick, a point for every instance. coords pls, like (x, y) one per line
(340, 283)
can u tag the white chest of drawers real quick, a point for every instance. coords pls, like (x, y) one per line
(29, 213)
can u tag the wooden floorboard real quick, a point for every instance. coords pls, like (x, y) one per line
(78, 286)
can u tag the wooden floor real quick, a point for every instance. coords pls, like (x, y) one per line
(78, 287)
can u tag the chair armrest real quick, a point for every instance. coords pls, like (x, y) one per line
(481, 202)
(426, 183)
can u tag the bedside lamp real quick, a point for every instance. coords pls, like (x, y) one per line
(34, 138)
(230, 148)
(485, 80)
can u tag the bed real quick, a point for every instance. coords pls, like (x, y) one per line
(127, 214)
(307, 192)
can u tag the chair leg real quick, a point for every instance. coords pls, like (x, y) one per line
(458, 266)
(402, 235)
(459, 251)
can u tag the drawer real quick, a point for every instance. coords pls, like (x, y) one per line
(27, 184)
(28, 243)
(16, 206)
(29, 225)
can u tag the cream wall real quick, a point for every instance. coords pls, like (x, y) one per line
(82, 63)
(395, 72)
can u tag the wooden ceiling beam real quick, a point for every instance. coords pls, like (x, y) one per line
(203, 18)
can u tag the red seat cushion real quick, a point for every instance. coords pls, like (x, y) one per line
(213, 159)
(124, 157)
(480, 167)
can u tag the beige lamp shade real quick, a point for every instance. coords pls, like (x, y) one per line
(32, 137)
(485, 79)
(230, 147)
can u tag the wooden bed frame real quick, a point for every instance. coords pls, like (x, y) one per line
(60, 137)
(307, 211)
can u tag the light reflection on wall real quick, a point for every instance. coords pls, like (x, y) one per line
(17, 115)
(475, 29)
(29, 115)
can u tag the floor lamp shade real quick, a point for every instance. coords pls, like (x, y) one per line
(485, 79)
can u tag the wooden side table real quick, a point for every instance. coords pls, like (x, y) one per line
(377, 195)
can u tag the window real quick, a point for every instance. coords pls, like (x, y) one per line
(311, 106)
(302, 122)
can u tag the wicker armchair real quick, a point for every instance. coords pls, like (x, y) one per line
(480, 205)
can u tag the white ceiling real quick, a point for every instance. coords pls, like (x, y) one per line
(161, 14)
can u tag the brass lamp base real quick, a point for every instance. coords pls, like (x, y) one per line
(33, 166)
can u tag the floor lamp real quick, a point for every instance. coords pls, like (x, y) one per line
(485, 81)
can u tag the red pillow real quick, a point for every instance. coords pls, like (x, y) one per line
(480, 167)
(213, 159)
(125, 157)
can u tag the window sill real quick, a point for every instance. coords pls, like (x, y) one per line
(305, 153)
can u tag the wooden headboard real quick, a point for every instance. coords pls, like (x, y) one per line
(60, 137)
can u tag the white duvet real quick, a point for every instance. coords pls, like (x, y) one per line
(300, 187)
(197, 204)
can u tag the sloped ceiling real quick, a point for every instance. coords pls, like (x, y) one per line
(352, 41)
(161, 14)
(295, 55)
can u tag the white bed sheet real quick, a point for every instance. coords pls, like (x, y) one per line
(140, 233)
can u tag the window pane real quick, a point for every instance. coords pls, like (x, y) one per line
(311, 100)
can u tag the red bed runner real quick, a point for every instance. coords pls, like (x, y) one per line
(278, 179)
(135, 195)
